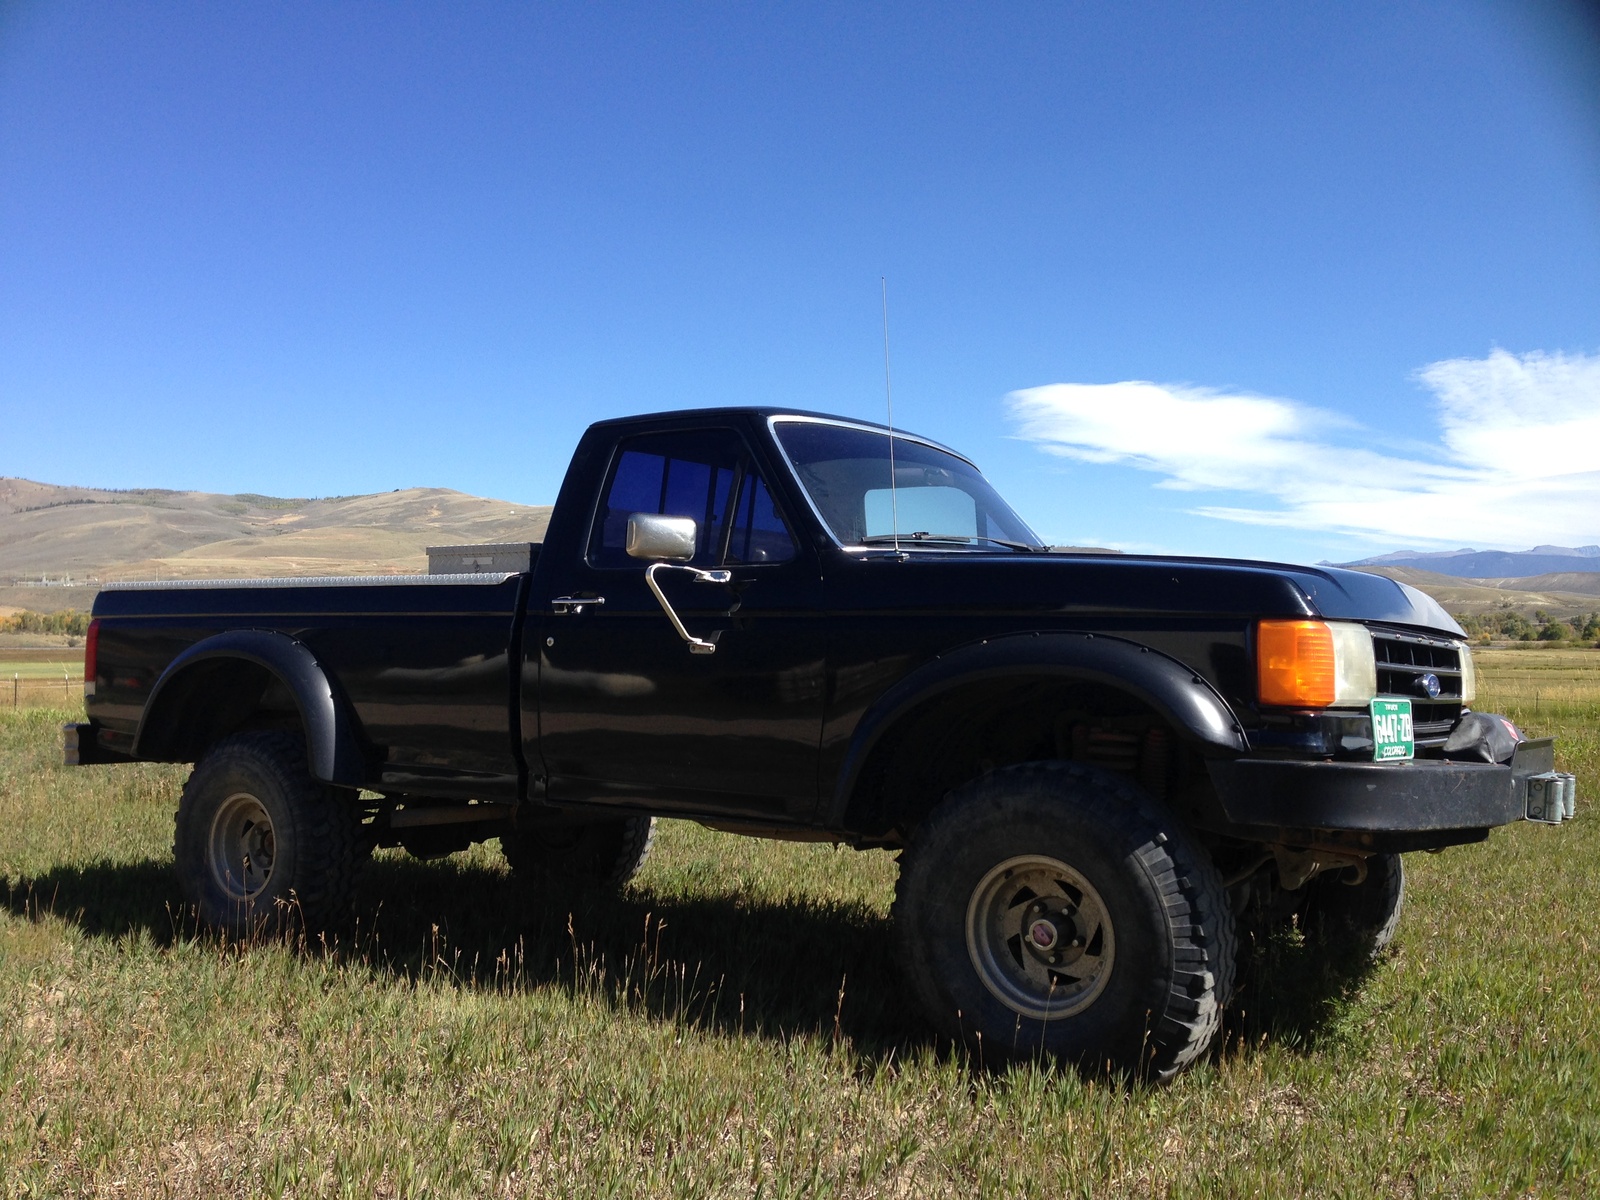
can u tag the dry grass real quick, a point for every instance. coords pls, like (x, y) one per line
(731, 1026)
(1532, 681)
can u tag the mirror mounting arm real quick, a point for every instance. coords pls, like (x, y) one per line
(696, 645)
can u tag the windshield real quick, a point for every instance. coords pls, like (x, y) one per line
(939, 498)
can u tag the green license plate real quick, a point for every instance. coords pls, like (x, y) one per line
(1391, 729)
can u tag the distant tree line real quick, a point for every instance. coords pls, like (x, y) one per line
(1507, 625)
(57, 622)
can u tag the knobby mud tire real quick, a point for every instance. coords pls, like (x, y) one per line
(1161, 1001)
(314, 838)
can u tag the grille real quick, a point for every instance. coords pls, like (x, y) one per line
(1402, 657)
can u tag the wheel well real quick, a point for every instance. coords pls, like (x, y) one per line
(210, 700)
(973, 729)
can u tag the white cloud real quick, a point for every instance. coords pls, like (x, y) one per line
(1517, 460)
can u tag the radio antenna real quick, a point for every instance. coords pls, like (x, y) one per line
(888, 397)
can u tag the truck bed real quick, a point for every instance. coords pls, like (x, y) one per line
(444, 723)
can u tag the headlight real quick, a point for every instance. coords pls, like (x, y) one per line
(1315, 664)
(1469, 674)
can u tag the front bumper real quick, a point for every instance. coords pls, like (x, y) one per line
(1423, 796)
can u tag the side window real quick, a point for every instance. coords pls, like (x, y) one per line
(758, 534)
(689, 474)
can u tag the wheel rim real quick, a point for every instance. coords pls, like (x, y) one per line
(1040, 937)
(243, 847)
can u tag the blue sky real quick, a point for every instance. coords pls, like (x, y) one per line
(1292, 281)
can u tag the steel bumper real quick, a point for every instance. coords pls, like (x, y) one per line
(81, 748)
(1419, 796)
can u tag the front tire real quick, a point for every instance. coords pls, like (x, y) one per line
(1054, 908)
(259, 845)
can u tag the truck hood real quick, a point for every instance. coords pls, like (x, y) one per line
(1357, 595)
(1332, 592)
(1171, 585)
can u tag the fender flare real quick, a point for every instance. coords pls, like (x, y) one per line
(1185, 699)
(332, 749)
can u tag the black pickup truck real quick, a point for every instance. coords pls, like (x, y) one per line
(1097, 767)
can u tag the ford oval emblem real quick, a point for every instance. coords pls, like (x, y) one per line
(1428, 685)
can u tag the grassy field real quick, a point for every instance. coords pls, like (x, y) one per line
(731, 1026)
(40, 676)
(39, 681)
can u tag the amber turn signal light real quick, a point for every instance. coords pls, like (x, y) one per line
(1295, 664)
(1314, 664)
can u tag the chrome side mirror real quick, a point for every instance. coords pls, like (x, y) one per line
(661, 539)
(668, 542)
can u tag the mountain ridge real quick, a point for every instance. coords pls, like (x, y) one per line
(1467, 563)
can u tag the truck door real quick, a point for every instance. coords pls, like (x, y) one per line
(627, 714)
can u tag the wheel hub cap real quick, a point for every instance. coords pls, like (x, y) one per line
(1040, 937)
(242, 847)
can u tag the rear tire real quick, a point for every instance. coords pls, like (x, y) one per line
(606, 853)
(1056, 909)
(258, 844)
(1358, 920)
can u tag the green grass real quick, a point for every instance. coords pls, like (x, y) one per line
(731, 1025)
(46, 669)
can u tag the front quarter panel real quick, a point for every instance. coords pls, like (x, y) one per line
(1183, 697)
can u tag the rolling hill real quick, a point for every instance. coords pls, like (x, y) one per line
(1582, 582)
(48, 532)
(1559, 595)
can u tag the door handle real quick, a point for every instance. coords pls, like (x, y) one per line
(571, 606)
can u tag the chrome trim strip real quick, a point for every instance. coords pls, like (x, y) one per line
(481, 579)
